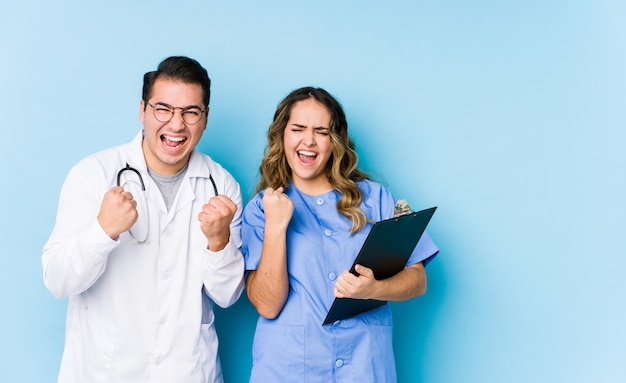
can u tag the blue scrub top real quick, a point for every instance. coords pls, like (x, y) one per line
(295, 347)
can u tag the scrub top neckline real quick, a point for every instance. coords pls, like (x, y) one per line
(328, 193)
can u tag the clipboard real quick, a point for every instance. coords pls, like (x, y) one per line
(386, 250)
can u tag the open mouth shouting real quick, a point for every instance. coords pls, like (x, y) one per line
(172, 142)
(306, 157)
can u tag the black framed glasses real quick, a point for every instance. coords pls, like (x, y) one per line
(164, 112)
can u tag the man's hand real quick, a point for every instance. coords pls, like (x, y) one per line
(215, 219)
(118, 212)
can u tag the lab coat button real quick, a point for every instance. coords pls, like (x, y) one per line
(339, 362)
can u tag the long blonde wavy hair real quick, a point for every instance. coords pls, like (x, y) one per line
(341, 169)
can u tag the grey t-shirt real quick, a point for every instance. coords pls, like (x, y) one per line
(168, 185)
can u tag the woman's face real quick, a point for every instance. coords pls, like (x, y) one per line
(308, 147)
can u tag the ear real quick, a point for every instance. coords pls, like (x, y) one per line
(142, 111)
(207, 117)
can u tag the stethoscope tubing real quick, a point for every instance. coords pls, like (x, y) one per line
(143, 186)
(119, 176)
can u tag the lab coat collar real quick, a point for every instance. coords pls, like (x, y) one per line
(135, 155)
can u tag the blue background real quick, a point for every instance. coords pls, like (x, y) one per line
(508, 115)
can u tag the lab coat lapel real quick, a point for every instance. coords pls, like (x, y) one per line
(187, 192)
(137, 160)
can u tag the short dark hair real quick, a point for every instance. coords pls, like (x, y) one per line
(178, 68)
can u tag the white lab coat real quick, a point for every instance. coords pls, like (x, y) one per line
(141, 312)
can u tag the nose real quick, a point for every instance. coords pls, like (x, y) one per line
(309, 137)
(177, 121)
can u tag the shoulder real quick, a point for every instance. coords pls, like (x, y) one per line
(214, 168)
(372, 189)
(253, 212)
(203, 168)
(256, 202)
(97, 172)
(114, 156)
(102, 162)
(378, 201)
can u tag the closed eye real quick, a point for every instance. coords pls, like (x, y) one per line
(322, 131)
(195, 112)
(163, 109)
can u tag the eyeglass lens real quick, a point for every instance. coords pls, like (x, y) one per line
(164, 113)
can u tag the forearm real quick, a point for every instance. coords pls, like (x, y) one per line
(407, 284)
(268, 285)
(224, 278)
(72, 263)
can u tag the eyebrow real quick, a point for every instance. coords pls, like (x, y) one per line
(183, 108)
(315, 127)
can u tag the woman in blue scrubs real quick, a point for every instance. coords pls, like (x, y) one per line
(301, 232)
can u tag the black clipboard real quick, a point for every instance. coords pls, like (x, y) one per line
(386, 250)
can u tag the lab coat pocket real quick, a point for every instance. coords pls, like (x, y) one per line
(98, 347)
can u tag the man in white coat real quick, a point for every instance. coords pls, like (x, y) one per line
(146, 240)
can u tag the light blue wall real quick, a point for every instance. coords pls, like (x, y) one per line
(508, 115)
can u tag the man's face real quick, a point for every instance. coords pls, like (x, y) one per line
(168, 145)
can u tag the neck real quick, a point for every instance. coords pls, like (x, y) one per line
(160, 167)
(313, 187)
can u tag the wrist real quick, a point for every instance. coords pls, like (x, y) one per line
(217, 245)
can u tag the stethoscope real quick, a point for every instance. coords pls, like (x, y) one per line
(139, 231)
